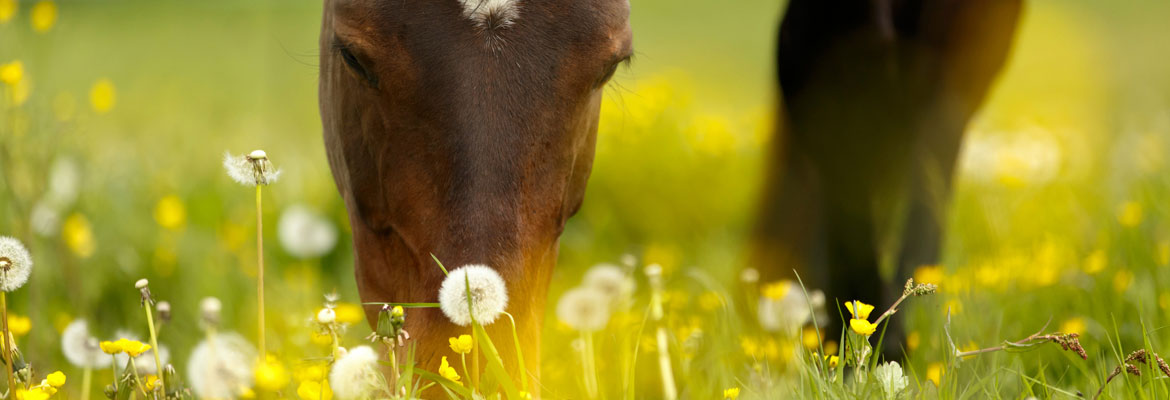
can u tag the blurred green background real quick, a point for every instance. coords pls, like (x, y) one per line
(1060, 208)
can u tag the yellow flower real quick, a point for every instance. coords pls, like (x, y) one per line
(1122, 280)
(170, 213)
(315, 372)
(56, 379)
(809, 338)
(461, 344)
(776, 290)
(862, 327)
(1073, 325)
(710, 301)
(19, 325)
(151, 382)
(102, 96)
(929, 274)
(78, 235)
(1095, 262)
(134, 348)
(314, 390)
(1130, 214)
(270, 374)
(7, 10)
(12, 72)
(934, 372)
(750, 346)
(36, 393)
(862, 311)
(913, 340)
(109, 347)
(831, 347)
(446, 371)
(349, 313)
(833, 361)
(731, 393)
(43, 16)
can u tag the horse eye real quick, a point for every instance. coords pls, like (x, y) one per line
(355, 65)
(611, 70)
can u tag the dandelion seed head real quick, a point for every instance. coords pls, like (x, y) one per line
(355, 375)
(610, 280)
(145, 361)
(81, 348)
(489, 295)
(210, 307)
(258, 155)
(584, 309)
(15, 264)
(221, 367)
(142, 283)
(326, 316)
(305, 233)
(249, 171)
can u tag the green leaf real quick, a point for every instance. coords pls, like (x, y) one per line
(445, 383)
(495, 364)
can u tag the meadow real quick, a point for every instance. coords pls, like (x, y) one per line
(115, 117)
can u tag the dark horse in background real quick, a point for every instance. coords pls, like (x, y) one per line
(874, 98)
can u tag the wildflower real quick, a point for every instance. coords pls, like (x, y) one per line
(890, 379)
(731, 393)
(133, 348)
(929, 274)
(43, 16)
(349, 313)
(862, 327)
(488, 295)
(221, 367)
(1122, 280)
(782, 309)
(749, 276)
(356, 375)
(326, 316)
(1129, 214)
(78, 235)
(270, 374)
(934, 372)
(111, 347)
(82, 349)
(170, 213)
(1073, 325)
(151, 382)
(446, 371)
(610, 280)
(12, 72)
(304, 233)
(19, 325)
(461, 344)
(862, 310)
(583, 309)
(210, 307)
(15, 264)
(1096, 262)
(103, 96)
(164, 311)
(7, 10)
(56, 379)
(913, 339)
(314, 390)
(253, 169)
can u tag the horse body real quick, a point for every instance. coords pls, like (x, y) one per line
(463, 129)
(875, 96)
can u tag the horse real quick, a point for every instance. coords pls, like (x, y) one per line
(464, 129)
(874, 97)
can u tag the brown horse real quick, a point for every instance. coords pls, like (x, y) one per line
(464, 129)
(875, 96)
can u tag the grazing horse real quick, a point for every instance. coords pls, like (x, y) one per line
(464, 129)
(874, 98)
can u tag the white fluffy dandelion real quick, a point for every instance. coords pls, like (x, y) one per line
(610, 280)
(584, 309)
(489, 296)
(789, 312)
(81, 348)
(356, 376)
(304, 233)
(15, 264)
(251, 169)
(221, 367)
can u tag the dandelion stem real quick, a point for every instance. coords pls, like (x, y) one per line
(393, 368)
(260, 271)
(7, 342)
(86, 381)
(463, 358)
(138, 381)
(114, 369)
(154, 341)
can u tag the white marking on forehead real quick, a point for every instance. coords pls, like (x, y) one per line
(490, 14)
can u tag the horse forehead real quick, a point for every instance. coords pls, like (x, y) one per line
(491, 12)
